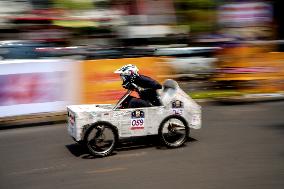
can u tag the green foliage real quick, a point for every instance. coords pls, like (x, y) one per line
(214, 94)
(197, 4)
(200, 15)
(73, 4)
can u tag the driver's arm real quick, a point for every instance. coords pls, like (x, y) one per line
(147, 83)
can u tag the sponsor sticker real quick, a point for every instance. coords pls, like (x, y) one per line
(137, 120)
(71, 118)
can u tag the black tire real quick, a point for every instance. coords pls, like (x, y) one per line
(173, 134)
(101, 139)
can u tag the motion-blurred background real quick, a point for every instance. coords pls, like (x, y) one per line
(60, 52)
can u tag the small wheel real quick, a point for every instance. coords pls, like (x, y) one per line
(173, 131)
(101, 139)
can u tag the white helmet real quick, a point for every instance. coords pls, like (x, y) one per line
(128, 72)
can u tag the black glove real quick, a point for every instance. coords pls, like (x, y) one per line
(128, 85)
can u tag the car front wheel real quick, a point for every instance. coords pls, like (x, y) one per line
(173, 131)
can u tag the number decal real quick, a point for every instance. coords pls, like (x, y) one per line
(137, 123)
(177, 107)
(178, 111)
(137, 119)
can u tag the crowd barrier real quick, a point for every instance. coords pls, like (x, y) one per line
(34, 86)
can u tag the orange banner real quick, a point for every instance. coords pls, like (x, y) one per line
(101, 85)
(252, 68)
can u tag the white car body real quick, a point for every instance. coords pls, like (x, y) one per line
(136, 121)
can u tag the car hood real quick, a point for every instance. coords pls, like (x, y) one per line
(89, 109)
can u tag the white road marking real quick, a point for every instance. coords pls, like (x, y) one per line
(106, 170)
(130, 155)
(37, 170)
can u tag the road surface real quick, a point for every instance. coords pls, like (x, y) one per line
(239, 146)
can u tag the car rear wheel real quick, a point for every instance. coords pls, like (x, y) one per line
(101, 139)
(173, 131)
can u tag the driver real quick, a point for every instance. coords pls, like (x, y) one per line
(145, 86)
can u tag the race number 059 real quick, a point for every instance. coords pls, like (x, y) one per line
(137, 122)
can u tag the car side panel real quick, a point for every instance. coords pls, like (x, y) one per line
(138, 121)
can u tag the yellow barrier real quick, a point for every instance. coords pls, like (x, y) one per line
(101, 85)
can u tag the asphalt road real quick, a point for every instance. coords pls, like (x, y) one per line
(239, 146)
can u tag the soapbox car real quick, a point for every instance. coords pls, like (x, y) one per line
(100, 126)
